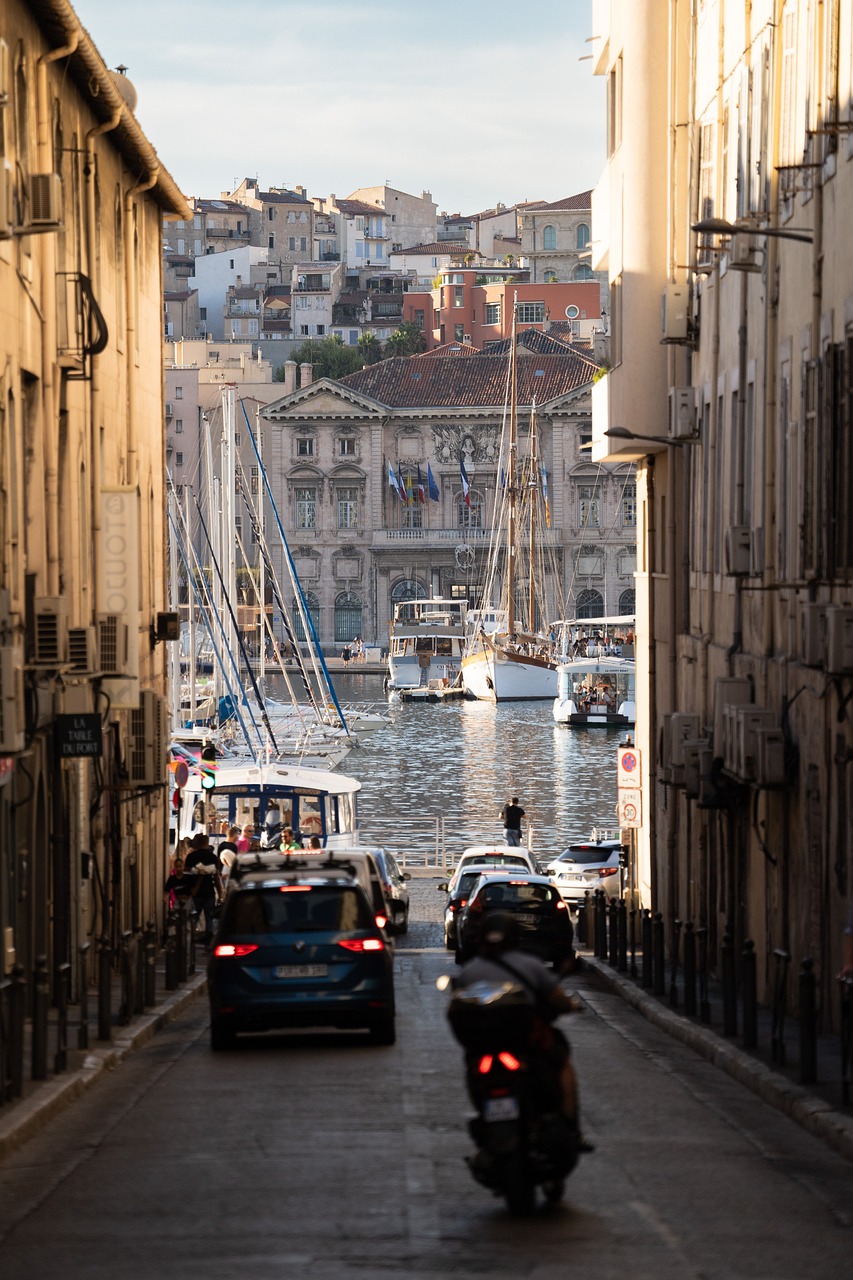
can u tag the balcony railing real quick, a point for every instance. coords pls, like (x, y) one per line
(226, 233)
(474, 537)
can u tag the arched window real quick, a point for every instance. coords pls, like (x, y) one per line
(312, 604)
(627, 604)
(583, 271)
(583, 235)
(347, 618)
(550, 277)
(549, 237)
(406, 589)
(469, 517)
(590, 604)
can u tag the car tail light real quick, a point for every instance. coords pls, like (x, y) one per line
(561, 906)
(608, 871)
(484, 1066)
(235, 948)
(295, 888)
(509, 1061)
(381, 921)
(362, 944)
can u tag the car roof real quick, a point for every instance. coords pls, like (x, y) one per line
(314, 880)
(501, 849)
(512, 877)
(605, 845)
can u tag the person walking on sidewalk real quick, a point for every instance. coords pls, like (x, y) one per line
(511, 815)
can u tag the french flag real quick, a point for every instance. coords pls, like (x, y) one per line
(466, 488)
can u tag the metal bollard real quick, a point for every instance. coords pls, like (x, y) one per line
(585, 920)
(613, 942)
(60, 1058)
(658, 955)
(128, 997)
(808, 1023)
(5, 1091)
(646, 943)
(846, 985)
(171, 951)
(150, 957)
(193, 936)
(41, 1003)
(139, 976)
(674, 960)
(632, 940)
(779, 1011)
(729, 985)
(601, 901)
(689, 970)
(622, 936)
(17, 1011)
(750, 998)
(105, 995)
(83, 989)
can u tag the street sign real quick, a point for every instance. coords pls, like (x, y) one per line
(629, 807)
(182, 773)
(628, 771)
(78, 735)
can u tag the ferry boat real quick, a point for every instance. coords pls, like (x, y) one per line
(426, 645)
(596, 691)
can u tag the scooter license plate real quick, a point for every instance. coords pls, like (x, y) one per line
(500, 1109)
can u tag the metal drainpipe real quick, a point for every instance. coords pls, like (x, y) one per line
(48, 327)
(650, 570)
(132, 476)
(742, 363)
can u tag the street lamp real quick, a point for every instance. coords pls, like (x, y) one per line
(622, 433)
(719, 227)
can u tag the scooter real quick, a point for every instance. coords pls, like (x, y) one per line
(523, 1140)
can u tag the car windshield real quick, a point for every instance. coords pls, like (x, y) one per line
(588, 856)
(297, 907)
(517, 897)
(467, 880)
(496, 860)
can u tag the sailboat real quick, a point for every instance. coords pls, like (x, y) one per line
(508, 659)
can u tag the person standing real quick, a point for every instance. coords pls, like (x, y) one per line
(511, 815)
(202, 869)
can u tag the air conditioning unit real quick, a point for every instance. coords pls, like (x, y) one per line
(169, 409)
(813, 633)
(674, 317)
(112, 644)
(51, 630)
(749, 720)
(744, 254)
(839, 641)
(11, 699)
(698, 758)
(728, 691)
(769, 758)
(683, 727)
(738, 550)
(147, 742)
(82, 649)
(682, 413)
(45, 200)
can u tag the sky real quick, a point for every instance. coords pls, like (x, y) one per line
(463, 98)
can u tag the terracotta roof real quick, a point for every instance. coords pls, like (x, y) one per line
(581, 201)
(418, 382)
(358, 206)
(536, 342)
(452, 247)
(178, 295)
(451, 349)
(281, 197)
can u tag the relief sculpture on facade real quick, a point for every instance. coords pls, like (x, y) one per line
(474, 444)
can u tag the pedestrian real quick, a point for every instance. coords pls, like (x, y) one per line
(289, 841)
(315, 843)
(203, 865)
(244, 842)
(511, 815)
(346, 655)
(176, 885)
(228, 853)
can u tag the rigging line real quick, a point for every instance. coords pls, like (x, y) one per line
(240, 642)
(294, 577)
(192, 580)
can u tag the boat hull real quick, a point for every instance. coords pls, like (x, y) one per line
(494, 676)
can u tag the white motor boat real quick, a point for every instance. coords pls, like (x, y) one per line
(426, 644)
(596, 691)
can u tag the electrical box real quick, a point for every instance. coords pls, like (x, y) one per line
(682, 413)
(728, 691)
(51, 631)
(839, 641)
(674, 314)
(738, 550)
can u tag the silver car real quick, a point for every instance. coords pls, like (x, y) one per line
(583, 868)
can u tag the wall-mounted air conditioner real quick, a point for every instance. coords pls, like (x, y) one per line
(82, 649)
(728, 691)
(169, 409)
(5, 74)
(674, 312)
(147, 741)
(682, 413)
(745, 254)
(698, 758)
(749, 721)
(45, 200)
(738, 550)
(112, 644)
(769, 758)
(813, 633)
(11, 699)
(839, 641)
(50, 637)
(683, 727)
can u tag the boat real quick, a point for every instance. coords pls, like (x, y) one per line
(596, 685)
(511, 660)
(427, 640)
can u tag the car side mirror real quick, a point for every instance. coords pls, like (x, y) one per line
(442, 888)
(407, 875)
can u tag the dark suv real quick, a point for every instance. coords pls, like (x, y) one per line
(299, 948)
(544, 925)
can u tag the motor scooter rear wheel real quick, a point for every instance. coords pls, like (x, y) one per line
(518, 1188)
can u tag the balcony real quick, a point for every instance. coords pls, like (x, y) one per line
(226, 233)
(330, 257)
(452, 537)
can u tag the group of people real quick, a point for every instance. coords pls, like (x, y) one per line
(353, 652)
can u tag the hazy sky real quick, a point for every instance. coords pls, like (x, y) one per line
(474, 100)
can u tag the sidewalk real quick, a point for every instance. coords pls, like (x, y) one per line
(41, 1100)
(819, 1107)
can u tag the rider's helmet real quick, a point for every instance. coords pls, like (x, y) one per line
(499, 932)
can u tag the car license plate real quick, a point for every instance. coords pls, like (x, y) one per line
(301, 971)
(500, 1109)
(526, 917)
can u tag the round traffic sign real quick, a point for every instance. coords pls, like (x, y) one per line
(182, 773)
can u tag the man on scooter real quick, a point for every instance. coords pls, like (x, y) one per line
(497, 960)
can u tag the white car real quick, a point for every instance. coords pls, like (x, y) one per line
(586, 867)
(493, 855)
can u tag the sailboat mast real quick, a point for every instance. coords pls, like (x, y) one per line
(511, 467)
(531, 558)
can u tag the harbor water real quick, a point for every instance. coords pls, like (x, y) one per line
(435, 779)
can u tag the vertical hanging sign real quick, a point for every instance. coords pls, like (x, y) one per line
(629, 779)
(118, 591)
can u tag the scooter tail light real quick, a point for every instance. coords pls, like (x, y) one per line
(484, 1066)
(509, 1061)
(381, 921)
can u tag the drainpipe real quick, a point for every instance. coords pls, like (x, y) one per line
(742, 365)
(51, 388)
(131, 286)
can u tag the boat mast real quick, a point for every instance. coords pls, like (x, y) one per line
(532, 494)
(513, 433)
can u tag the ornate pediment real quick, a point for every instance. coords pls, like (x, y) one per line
(476, 444)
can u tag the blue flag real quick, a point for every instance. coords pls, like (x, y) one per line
(466, 488)
(432, 485)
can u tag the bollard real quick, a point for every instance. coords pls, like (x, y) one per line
(60, 1058)
(17, 1009)
(105, 1003)
(750, 998)
(83, 989)
(128, 997)
(622, 936)
(646, 942)
(658, 955)
(193, 935)
(632, 940)
(601, 904)
(139, 976)
(846, 985)
(150, 953)
(689, 970)
(584, 919)
(808, 1023)
(171, 952)
(613, 942)
(674, 958)
(729, 985)
(5, 1091)
(41, 1003)
(182, 927)
(704, 999)
(779, 1010)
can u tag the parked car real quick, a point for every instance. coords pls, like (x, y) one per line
(542, 916)
(299, 948)
(584, 868)
(396, 889)
(457, 898)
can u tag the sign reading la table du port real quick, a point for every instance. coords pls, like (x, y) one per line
(80, 735)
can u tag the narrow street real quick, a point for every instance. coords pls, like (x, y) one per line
(317, 1156)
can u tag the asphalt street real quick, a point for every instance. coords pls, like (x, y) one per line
(318, 1156)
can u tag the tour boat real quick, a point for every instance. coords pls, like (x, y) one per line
(426, 645)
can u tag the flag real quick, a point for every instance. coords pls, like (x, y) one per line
(392, 480)
(503, 478)
(545, 496)
(409, 498)
(401, 488)
(466, 488)
(421, 494)
(432, 485)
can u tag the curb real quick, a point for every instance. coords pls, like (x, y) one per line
(31, 1115)
(818, 1117)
